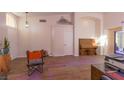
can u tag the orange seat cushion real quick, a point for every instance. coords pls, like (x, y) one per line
(34, 55)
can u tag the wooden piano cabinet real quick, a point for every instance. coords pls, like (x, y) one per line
(5, 63)
(87, 47)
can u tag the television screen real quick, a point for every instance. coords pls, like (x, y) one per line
(119, 42)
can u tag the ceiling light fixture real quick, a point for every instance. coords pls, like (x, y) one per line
(62, 20)
(26, 22)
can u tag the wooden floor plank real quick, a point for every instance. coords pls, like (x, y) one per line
(57, 68)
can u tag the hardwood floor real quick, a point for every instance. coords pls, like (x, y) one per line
(57, 68)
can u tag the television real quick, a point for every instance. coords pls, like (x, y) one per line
(119, 42)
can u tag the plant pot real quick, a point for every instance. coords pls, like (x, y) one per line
(1, 52)
(6, 50)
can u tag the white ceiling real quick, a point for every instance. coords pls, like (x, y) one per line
(40, 13)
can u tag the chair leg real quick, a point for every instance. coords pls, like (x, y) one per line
(38, 70)
(28, 70)
(30, 73)
(42, 68)
(31, 69)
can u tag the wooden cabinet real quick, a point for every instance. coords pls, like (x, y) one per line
(5, 63)
(95, 73)
(87, 47)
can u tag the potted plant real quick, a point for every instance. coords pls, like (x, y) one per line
(0, 48)
(6, 46)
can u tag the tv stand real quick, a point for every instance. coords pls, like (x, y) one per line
(112, 68)
(115, 60)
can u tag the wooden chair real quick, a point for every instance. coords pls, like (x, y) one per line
(35, 61)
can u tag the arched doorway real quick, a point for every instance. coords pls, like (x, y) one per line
(90, 28)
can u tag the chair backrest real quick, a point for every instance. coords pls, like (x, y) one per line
(33, 55)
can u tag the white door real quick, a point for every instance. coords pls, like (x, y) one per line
(68, 42)
(62, 40)
(58, 41)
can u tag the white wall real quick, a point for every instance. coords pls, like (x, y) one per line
(10, 33)
(13, 39)
(80, 33)
(87, 28)
(113, 19)
(38, 35)
(3, 29)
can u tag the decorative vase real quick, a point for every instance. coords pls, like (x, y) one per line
(0, 52)
(6, 50)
